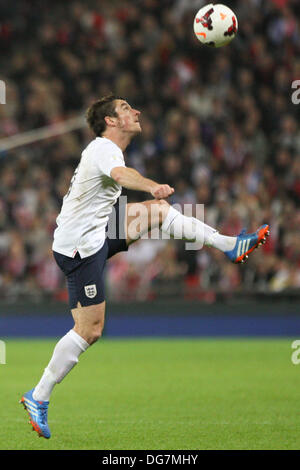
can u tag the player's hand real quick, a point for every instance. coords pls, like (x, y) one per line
(161, 191)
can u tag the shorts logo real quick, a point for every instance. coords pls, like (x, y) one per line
(90, 291)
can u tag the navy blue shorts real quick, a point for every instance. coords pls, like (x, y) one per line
(85, 276)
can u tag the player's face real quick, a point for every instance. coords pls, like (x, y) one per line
(128, 118)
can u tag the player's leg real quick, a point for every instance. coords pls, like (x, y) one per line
(89, 321)
(142, 217)
(237, 248)
(88, 326)
(86, 296)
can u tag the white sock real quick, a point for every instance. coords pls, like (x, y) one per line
(65, 357)
(189, 228)
(222, 242)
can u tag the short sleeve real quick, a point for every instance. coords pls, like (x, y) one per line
(107, 157)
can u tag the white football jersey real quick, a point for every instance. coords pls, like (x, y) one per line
(86, 207)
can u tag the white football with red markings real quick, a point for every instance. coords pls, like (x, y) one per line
(215, 25)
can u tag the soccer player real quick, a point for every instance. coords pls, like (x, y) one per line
(82, 245)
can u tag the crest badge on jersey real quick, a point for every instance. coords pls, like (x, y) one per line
(90, 291)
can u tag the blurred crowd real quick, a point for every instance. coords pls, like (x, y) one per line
(219, 125)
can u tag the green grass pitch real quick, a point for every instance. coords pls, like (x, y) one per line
(150, 394)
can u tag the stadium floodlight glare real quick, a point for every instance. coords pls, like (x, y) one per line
(29, 137)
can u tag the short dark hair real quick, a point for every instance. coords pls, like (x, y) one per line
(96, 113)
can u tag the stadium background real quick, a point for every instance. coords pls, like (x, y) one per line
(218, 124)
(221, 127)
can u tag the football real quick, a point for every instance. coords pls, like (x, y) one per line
(215, 25)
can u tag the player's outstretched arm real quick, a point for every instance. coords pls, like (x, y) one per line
(132, 179)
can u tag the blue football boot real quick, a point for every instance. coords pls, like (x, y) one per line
(38, 414)
(246, 243)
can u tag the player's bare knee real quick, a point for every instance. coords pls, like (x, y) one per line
(94, 337)
(89, 322)
(97, 331)
(90, 333)
(158, 209)
(164, 207)
(164, 204)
